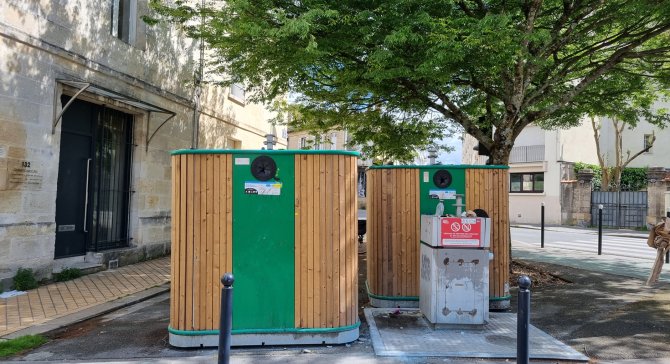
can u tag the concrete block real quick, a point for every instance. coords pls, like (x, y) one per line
(12, 133)
(40, 202)
(10, 201)
(25, 249)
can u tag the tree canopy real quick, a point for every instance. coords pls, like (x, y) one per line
(400, 71)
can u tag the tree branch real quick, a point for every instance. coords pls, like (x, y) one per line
(614, 59)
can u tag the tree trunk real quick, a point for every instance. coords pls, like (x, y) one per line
(500, 155)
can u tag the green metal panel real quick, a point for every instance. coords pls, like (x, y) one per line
(427, 204)
(263, 247)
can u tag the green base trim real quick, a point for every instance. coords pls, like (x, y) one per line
(268, 152)
(503, 298)
(267, 331)
(440, 166)
(389, 298)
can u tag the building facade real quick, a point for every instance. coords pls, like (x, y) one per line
(92, 101)
(540, 160)
(635, 139)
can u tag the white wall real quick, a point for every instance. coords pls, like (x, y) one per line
(633, 141)
(563, 145)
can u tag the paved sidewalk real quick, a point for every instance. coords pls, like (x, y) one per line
(99, 291)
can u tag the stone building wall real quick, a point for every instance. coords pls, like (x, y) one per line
(43, 42)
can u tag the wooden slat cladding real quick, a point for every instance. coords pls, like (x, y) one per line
(488, 189)
(201, 238)
(393, 232)
(326, 249)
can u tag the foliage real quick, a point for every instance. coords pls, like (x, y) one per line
(399, 71)
(632, 179)
(23, 343)
(24, 279)
(67, 274)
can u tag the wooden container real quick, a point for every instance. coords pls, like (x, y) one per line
(290, 241)
(397, 196)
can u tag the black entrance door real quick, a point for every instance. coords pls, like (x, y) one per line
(93, 179)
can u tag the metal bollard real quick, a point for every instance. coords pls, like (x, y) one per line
(542, 226)
(226, 318)
(600, 229)
(523, 321)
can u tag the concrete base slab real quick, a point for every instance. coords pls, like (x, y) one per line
(409, 334)
(196, 341)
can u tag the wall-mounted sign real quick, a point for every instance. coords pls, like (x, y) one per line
(21, 175)
(262, 188)
(442, 194)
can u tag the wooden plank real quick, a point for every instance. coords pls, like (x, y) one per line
(351, 197)
(226, 217)
(201, 236)
(379, 263)
(188, 284)
(352, 237)
(417, 232)
(312, 187)
(332, 254)
(229, 213)
(305, 234)
(340, 239)
(326, 303)
(371, 229)
(183, 213)
(407, 233)
(384, 242)
(216, 240)
(210, 244)
(174, 244)
(308, 236)
(203, 243)
(346, 226)
(395, 248)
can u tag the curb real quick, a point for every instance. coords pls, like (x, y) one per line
(89, 313)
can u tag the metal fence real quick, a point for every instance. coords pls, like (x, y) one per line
(620, 208)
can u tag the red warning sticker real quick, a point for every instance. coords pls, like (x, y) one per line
(457, 231)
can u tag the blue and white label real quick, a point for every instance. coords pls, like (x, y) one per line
(442, 194)
(262, 188)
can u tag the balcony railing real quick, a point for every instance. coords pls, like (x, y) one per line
(528, 153)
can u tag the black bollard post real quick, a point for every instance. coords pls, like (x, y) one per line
(523, 321)
(600, 229)
(226, 320)
(542, 226)
(667, 221)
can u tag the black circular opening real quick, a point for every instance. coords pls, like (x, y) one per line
(442, 178)
(263, 168)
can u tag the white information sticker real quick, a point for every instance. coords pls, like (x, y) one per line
(241, 161)
(443, 194)
(426, 177)
(262, 188)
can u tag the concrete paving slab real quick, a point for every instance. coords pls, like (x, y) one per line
(409, 334)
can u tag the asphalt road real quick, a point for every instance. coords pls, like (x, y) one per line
(133, 332)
